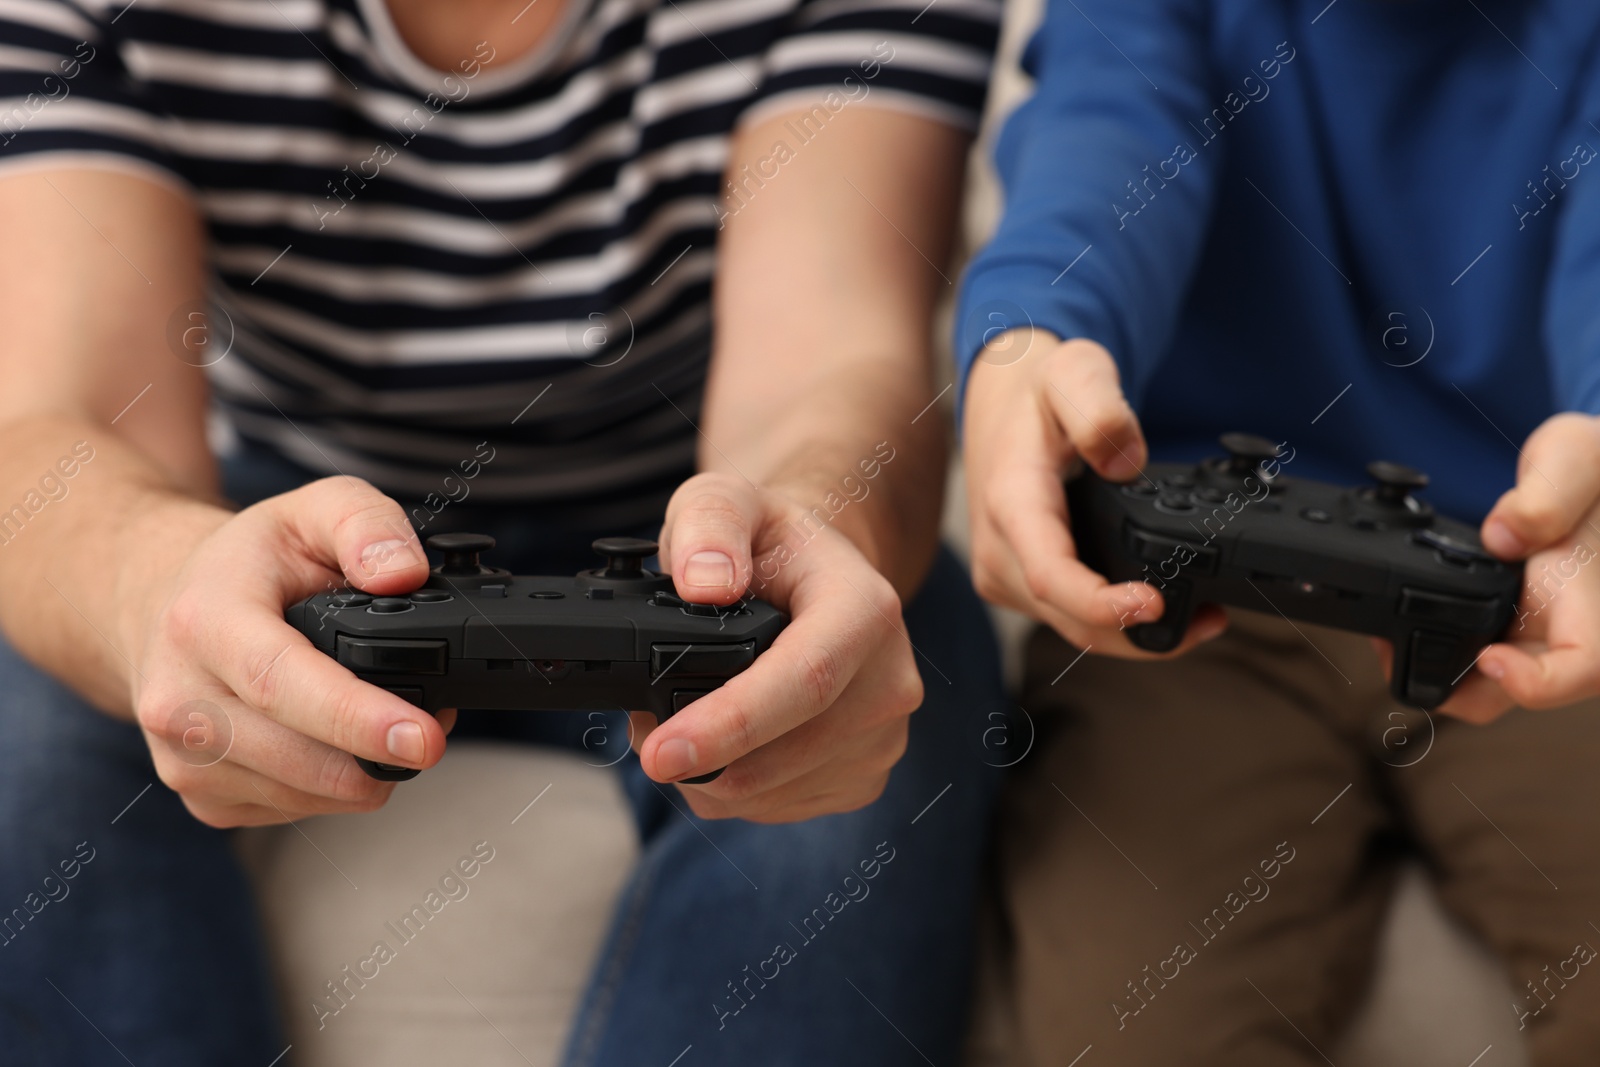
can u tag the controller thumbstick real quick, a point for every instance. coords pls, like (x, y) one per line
(1246, 451)
(625, 556)
(461, 553)
(1396, 482)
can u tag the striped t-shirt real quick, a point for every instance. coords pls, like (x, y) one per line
(413, 270)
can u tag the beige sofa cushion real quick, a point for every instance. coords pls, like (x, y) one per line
(490, 880)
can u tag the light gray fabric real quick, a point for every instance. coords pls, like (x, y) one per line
(493, 974)
(1440, 998)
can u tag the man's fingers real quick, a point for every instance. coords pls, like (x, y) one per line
(1550, 678)
(1479, 699)
(1558, 481)
(1084, 391)
(804, 671)
(1035, 527)
(708, 535)
(347, 524)
(273, 668)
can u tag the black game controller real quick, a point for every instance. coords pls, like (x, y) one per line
(615, 637)
(1373, 560)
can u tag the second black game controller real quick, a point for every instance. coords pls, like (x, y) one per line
(1237, 531)
(612, 638)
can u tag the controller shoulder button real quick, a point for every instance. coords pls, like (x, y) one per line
(391, 655)
(1451, 549)
(1473, 614)
(675, 661)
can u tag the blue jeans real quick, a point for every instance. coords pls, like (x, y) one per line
(127, 932)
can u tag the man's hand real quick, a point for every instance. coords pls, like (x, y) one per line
(1551, 518)
(247, 721)
(815, 725)
(1027, 419)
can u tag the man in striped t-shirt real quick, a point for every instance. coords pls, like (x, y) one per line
(459, 257)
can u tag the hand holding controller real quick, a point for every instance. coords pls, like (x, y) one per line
(476, 636)
(1373, 559)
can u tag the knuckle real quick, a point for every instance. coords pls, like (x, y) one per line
(739, 728)
(342, 779)
(889, 753)
(344, 718)
(820, 672)
(909, 690)
(736, 785)
(216, 816)
(184, 619)
(1037, 579)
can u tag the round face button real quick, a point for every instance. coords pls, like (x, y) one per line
(430, 596)
(1174, 503)
(1142, 489)
(349, 600)
(546, 594)
(389, 605)
(1177, 481)
(1211, 495)
(1315, 515)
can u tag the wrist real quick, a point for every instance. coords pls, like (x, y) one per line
(156, 545)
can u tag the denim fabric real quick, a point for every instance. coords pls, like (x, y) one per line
(149, 952)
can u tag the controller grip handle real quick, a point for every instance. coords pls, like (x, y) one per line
(386, 772)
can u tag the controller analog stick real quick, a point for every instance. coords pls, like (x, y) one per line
(461, 553)
(1396, 482)
(1246, 451)
(625, 556)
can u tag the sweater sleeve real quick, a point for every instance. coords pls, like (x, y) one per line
(1572, 295)
(1109, 182)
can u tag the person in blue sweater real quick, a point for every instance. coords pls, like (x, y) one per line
(1368, 230)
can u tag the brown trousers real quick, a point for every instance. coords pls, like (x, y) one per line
(1196, 855)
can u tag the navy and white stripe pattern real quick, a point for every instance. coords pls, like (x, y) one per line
(408, 263)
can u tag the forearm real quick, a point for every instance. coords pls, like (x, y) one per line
(851, 450)
(822, 380)
(81, 553)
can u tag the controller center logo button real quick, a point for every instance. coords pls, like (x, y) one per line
(546, 594)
